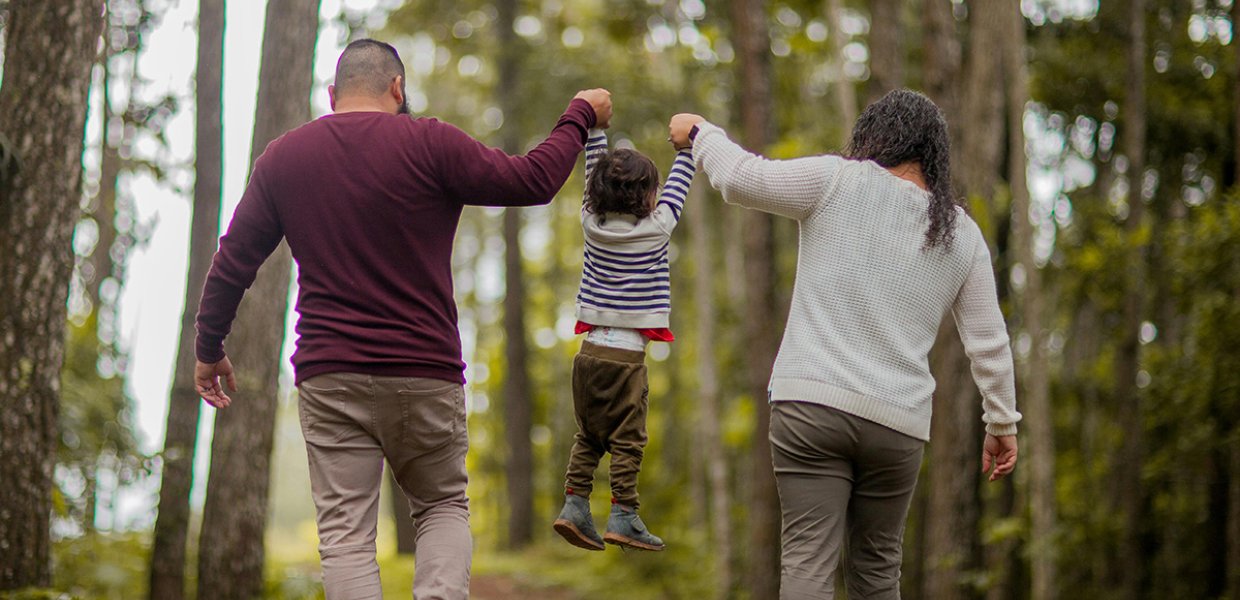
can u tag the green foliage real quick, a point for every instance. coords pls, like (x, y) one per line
(101, 566)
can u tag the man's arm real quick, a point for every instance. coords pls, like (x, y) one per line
(253, 235)
(472, 173)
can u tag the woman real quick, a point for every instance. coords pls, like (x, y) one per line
(885, 253)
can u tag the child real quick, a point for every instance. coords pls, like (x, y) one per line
(623, 301)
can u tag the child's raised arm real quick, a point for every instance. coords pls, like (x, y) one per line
(676, 189)
(596, 147)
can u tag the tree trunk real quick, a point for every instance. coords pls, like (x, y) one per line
(181, 431)
(1233, 521)
(712, 449)
(845, 93)
(886, 48)
(982, 101)
(1128, 489)
(1235, 98)
(751, 37)
(941, 75)
(518, 409)
(51, 47)
(230, 551)
(1038, 424)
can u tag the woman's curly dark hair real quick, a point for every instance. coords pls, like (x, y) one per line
(623, 181)
(902, 127)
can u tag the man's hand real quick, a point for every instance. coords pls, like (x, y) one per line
(678, 130)
(207, 382)
(999, 452)
(600, 99)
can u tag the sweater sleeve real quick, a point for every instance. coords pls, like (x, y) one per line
(789, 188)
(985, 338)
(473, 173)
(253, 235)
(596, 147)
(676, 188)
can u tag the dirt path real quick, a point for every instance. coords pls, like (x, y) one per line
(503, 587)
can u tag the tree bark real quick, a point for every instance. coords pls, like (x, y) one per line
(886, 48)
(845, 93)
(1128, 489)
(712, 450)
(518, 408)
(51, 48)
(230, 550)
(1233, 521)
(753, 50)
(1038, 422)
(167, 580)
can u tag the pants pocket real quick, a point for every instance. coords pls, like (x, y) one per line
(322, 418)
(432, 412)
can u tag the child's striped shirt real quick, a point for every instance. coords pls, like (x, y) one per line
(625, 279)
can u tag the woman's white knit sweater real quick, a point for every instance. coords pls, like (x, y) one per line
(869, 298)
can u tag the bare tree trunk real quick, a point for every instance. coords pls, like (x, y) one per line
(230, 550)
(751, 37)
(886, 48)
(845, 93)
(1235, 98)
(518, 409)
(51, 47)
(1038, 424)
(1129, 490)
(1233, 521)
(982, 101)
(181, 433)
(708, 388)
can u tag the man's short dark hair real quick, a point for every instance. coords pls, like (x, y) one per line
(367, 67)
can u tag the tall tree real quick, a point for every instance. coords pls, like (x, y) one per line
(845, 92)
(1129, 489)
(701, 240)
(1036, 376)
(751, 38)
(953, 514)
(180, 438)
(230, 550)
(886, 48)
(50, 48)
(518, 406)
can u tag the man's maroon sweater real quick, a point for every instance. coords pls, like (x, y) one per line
(369, 203)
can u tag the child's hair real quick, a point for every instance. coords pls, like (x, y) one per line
(623, 181)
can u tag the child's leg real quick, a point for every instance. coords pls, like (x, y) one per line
(588, 445)
(626, 439)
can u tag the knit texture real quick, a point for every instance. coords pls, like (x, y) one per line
(625, 277)
(869, 298)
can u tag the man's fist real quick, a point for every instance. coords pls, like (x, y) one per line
(680, 126)
(600, 99)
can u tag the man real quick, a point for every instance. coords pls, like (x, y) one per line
(369, 201)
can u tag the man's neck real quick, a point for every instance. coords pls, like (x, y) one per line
(352, 105)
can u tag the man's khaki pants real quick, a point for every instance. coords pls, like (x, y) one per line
(843, 482)
(351, 422)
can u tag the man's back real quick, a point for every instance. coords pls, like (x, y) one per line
(369, 203)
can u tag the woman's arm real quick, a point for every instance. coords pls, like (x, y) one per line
(985, 338)
(790, 188)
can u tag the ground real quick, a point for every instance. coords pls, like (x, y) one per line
(505, 587)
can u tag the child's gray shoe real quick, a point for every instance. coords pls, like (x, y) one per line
(576, 524)
(625, 528)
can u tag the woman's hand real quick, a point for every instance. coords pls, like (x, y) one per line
(679, 128)
(999, 453)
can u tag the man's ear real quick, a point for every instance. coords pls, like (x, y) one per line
(331, 96)
(397, 90)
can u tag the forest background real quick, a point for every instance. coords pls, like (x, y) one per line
(1096, 143)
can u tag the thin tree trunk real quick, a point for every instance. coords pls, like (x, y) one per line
(230, 550)
(1128, 488)
(1038, 423)
(845, 93)
(181, 431)
(708, 395)
(1233, 520)
(886, 48)
(518, 407)
(51, 47)
(1235, 98)
(752, 41)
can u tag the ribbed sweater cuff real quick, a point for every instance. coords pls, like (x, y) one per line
(1001, 429)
